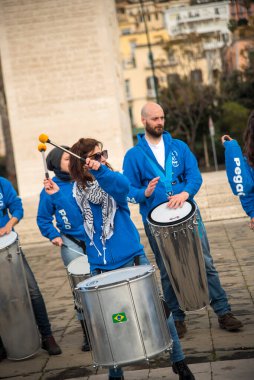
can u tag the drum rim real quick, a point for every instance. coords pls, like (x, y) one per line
(169, 224)
(68, 267)
(96, 286)
(15, 235)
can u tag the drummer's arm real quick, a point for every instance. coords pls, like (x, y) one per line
(9, 226)
(132, 169)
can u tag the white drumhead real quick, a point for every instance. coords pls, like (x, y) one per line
(7, 240)
(79, 266)
(163, 215)
(116, 276)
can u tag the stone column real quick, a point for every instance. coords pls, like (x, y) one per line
(63, 77)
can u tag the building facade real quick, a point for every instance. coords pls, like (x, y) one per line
(63, 77)
(186, 39)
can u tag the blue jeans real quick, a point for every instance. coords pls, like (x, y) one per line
(39, 308)
(217, 295)
(176, 354)
(68, 255)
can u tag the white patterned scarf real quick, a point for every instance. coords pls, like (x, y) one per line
(95, 194)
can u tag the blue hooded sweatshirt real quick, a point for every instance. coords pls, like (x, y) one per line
(124, 244)
(240, 175)
(141, 166)
(9, 202)
(48, 211)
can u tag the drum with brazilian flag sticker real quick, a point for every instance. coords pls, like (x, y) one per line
(124, 316)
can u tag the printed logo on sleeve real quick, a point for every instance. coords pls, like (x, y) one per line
(67, 224)
(238, 179)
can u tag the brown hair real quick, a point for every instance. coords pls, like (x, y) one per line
(249, 140)
(77, 170)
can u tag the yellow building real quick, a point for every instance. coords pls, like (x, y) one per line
(164, 40)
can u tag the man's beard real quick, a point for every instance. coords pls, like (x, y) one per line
(155, 132)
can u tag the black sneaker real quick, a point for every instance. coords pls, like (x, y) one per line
(229, 322)
(181, 369)
(116, 378)
(180, 328)
(49, 344)
(85, 345)
(3, 354)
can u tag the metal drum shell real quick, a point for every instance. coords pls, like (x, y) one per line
(18, 328)
(80, 275)
(181, 250)
(145, 333)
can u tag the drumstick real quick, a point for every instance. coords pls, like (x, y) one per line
(42, 148)
(44, 139)
(74, 250)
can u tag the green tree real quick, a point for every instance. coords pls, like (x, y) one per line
(189, 106)
(233, 120)
(239, 87)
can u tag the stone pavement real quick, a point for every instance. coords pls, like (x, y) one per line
(213, 353)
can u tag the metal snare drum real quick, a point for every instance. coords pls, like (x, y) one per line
(18, 328)
(176, 233)
(124, 315)
(78, 270)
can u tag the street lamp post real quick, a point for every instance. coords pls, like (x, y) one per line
(212, 134)
(149, 51)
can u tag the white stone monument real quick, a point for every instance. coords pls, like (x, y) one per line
(62, 75)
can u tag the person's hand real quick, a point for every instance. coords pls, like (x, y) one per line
(92, 164)
(9, 226)
(57, 241)
(5, 230)
(251, 224)
(178, 200)
(151, 187)
(225, 138)
(50, 186)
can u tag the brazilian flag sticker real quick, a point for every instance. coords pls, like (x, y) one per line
(119, 318)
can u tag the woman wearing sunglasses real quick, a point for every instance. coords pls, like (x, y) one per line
(55, 226)
(111, 237)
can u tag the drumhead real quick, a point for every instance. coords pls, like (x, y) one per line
(115, 276)
(79, 266)
(7, 240)
(162, 215)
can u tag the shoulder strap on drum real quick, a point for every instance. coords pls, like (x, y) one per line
(165, 177)
(80, 243)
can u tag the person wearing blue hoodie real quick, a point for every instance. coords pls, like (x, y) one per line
(63, 234)
(163, 169)
(11, 212)
(111, 237)
(240, 168)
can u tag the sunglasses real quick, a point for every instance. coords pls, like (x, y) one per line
(97, 156)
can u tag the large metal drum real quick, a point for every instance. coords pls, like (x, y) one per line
(176, 233)
(18, 328)
(124, 315)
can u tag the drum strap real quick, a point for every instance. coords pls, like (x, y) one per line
(137, 260)
(165, 175)
(80, 243)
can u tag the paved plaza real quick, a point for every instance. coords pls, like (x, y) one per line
(213, 354)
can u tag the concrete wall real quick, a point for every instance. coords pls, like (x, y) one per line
(62, 75)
